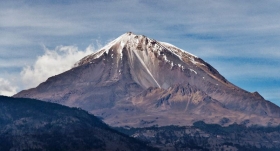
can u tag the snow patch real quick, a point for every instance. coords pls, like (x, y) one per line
(121, 55)
(107, 47)
(142, 62)
(122, 44)
(171, 50)
(192, 70)
(183, 68)
(192, 60)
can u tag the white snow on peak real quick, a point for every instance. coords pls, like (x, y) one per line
(122, 44)
(108, 46)
(192, 60)
(180, 52)
(176, 51)
(122, 39)
(131, 41)
(160, 46)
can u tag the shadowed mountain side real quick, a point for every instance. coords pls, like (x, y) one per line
(119, 74)
(27, 124)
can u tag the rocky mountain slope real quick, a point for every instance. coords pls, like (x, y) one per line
(137, 81)
(27, 124)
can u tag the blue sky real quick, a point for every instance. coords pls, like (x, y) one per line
(241, 39)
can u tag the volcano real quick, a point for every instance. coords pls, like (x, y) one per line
(137, 81)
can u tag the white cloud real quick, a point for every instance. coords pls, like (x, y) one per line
(53, 62)
(6, 88)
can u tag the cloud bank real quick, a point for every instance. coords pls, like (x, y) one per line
(6, 88)
(51, 63)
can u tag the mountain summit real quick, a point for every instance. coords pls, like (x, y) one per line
(138, 81)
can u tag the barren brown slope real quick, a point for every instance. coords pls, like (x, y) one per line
(138, 81)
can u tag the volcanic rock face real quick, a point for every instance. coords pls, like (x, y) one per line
(137, 81)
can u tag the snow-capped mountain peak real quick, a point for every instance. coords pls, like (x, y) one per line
(134, 42)
(147, 57)
(135, 76)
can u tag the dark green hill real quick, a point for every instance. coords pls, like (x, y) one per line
(27, 124)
